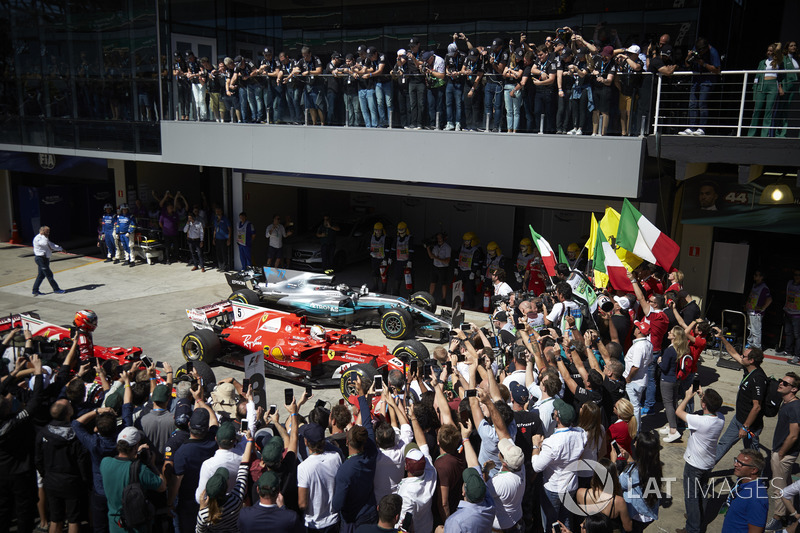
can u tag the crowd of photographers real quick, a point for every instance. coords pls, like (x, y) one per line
(566, 84)
(536, 422)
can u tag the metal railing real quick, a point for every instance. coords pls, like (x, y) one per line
(735, 103)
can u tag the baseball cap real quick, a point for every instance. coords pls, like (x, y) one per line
(497, 42)
(199, 419)
(267, 50)
(402, 52)
(263, 436)
(519, 393)
(362, 48)
(608, 51)
(415, 460)
(558, 42)
(474, 487)
(226, 431)
(623, 301)
(452, 48)
(473, 54)
(273, 451)
(643, 326)
(217, 484)
(189, 53)
(426, 56)
(634, 49)
(313, 433)
(130, 436)
(582, 51)
(500, 316)
(269, 480)
(160, 394)
(519, 53)
(372, 50)
(114, 400)
(512, 454)
(666, 50)
(335, 55)
(413, 41)
(183, 413)
(566, 413)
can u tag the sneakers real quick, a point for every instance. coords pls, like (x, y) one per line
(782, 353)
(131, 264)
(794, 361)
(573, 131)
(60, 291)
(578, 132)
(775, 524)
(108, 260)
(672, 437)
(664, 430)
(458, 126)
(450, 127)
(698, 131)
(687, 131)
(644, 411)
(37, 293)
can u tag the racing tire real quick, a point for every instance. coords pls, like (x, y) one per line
(245, 296)
(201, 345)
(347, 381)
(424, 300)
(203, 370)
(413, 349)
(397, 324)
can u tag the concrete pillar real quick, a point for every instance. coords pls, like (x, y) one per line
(237, 200)
(120, 186)
(6, 205)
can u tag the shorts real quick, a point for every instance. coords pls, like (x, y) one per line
(274, 253)
(215, 102)
(441, 275)
(61, 508)
(625, 102)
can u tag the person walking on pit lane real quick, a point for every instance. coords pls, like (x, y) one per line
(42, 250)
(107, 222)
(194, 235)
(222, 239)
(125, 226)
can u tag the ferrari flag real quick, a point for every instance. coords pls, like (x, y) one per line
(607, 265)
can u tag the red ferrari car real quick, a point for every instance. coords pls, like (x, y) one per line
(307, 355)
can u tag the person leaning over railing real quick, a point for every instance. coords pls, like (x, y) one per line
(767, 88)
(704, 61)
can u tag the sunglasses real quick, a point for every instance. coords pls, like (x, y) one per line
(739, 463)
(785, 383)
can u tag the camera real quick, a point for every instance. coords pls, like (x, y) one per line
(605, 303)
(693, 57)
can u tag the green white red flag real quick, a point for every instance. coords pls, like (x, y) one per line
(639, 235)
(546, 251)
(606, 262)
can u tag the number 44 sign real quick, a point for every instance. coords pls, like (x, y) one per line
(737, 197)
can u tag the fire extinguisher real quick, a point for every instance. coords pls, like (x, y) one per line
(407, 276)
(384, 270)
(487, 299)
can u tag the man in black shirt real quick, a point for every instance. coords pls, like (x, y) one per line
(416, 84)
(748, 421)
(495, 58)
(333, 90)
(311, 69)
(267, 79)
(382, 82)
(544, 78)
(628, 82)
(216, 88)
(473, 95)
(401, 88)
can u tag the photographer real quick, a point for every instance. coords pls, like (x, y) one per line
(401, 87)
(704, 61)
(628, 82)
(605, 70)
(564, 308)
(454, 92)
(416, 84)
(434, 69)
(496, 57)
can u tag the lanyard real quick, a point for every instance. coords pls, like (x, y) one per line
(745, 378)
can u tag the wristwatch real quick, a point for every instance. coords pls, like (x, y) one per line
(535, 447)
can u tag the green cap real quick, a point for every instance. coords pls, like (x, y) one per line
(226, 431)
(269, 480)
(217, 485)
(474, 487)
(566, 413)
(160, 394)
(114, 400)
(273, 451)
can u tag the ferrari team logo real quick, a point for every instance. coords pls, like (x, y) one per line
(331, 354)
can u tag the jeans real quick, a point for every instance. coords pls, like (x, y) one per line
(754, 339)
(731, 437)
(435, 106)
(698, 106)
(43, 264)
(635, 390)
(199, 98)
(330, 107)
(232, 104)
(454, 99)
(493, 100)
(791, 327)
(513, 105)
(543, 105)
(312, 93)
(351, 106)
(652, 371)
(294, 96)
(416, 98)
(694, 487)
(256, 95)
(278, 103)
(196, 253)
(579, 110)
(553, 510)
(170, 248)
(401, 96)
(473, 108)
(562, 115)
(383, 97)
(369, 108)
(244, 104)
(668, 389)
(222, 254)
(184, 99)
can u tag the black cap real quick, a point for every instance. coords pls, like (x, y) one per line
(426, 55)
(666, 50)
(519, 53)
(177, 54)
(189, 53)
(558, 42)
(237, 59)
(473, 54)
(497, 42)
(267, 50)
(335, 55)
(362, 49)
(413, 41)
(372, 51)
(582, 51)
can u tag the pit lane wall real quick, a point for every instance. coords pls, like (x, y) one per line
(559, 164)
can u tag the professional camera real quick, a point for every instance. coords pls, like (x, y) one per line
(693, 57)
(497, 298)
(605, 303)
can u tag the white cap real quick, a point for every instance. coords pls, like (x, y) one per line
(634, 49)
(130, 435)
(401, 52)
(623, 301)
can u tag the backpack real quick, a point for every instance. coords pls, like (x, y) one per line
(685, 367)
(772, 399)
(137, 511)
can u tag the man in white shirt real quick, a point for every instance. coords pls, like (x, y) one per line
(440, 254)
(419, 485)
(42, 250)
(508, 486)
(228, 456)
(275, 234)
(700, 455)
(564, 308)
(315, 481)
(194, 230)
(553, 457)
(501, 288)
(391, 440)
(637, 359)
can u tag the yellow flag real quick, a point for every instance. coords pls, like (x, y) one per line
(610, 225)
(590, 244)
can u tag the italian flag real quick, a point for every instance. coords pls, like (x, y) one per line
(606, 263)
(640, 236)
(546, 251)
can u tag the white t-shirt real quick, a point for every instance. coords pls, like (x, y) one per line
(639, 355)
(507, 489)
(318, 474)
(545, 408)
(502, 289)
(278, 234)
(438, 251)
(704, 431)
(560, 311)
(417, 494)
(390, 465)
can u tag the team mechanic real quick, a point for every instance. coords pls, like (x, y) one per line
(470, 259)
(400, 258)
(125, 225)
(377, 256)
(107, 223)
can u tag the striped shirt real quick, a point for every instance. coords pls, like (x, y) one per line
(230, 510)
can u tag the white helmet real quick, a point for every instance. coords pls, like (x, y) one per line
(317, 332)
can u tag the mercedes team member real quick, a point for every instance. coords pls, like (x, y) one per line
(440, 254)
(125, 225)
(470, 260)
(107, 222)
(400, 257)
(377, 255)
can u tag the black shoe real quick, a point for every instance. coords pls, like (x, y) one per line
(116, 261)
(132, 264)
(108, 260)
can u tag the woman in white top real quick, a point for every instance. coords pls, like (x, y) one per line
(589, 420)
(766, 89)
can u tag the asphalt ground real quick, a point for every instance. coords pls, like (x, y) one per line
(146, 306)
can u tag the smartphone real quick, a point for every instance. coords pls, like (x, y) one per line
(472, 393)
(160, 364)
(465, 416)
(378, 384)
(309, 392)
(616, 447)
(189, 367)
(413, 366)
(696, 385)
(272, 409)
(244, 426)
(556, 527)
(146, 360)
(466, 326)
(245, 384)
(449, 366)
(320, 403)
(426, 371)
(288, 396)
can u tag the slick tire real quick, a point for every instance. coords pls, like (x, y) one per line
(347, 383)
(424, 300)
(397, 324)
(201, 345)
(245, 296)
(411, 349)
